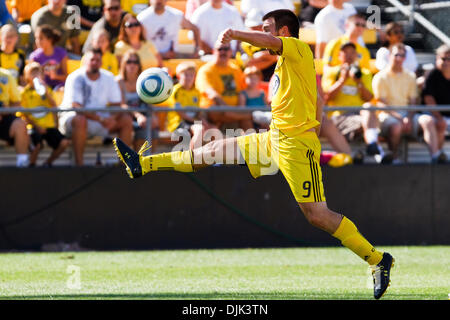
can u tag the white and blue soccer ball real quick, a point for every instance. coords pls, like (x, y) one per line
(154, 85)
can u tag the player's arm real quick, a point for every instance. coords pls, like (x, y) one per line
(255, 38)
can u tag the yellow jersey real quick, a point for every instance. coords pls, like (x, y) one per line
(331, 53)
(14, 62)
(9, 91)
(31, 99)
(349, 94)
(294, 89)
(110, 63)
(183, 97)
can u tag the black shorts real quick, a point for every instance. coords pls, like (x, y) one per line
(5, 124)
(53, 137)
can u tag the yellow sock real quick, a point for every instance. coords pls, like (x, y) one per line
(353, 240)
(176, 161)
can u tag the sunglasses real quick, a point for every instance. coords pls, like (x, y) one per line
(445, 58)
(131, 25)
(400, 55)
(362, 25)
(223, 49)
(113, 8)
(132, 62)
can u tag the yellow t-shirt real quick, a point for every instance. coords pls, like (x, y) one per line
(294, 90)
(134, 6)
(9, 91)
(348, 95)
(183, 97)
(110, 63)
(395, 88)
(147, 53)
(31, 99)
(14, 62)
(331, 54)
(227, 81)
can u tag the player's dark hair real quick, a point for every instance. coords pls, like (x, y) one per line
(284, 17)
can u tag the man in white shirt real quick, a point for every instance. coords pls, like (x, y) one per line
(265, 6)
(330, 23)
(91, 87)
(212, 18)
(162, 24)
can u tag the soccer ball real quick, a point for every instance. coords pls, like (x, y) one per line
(154, 85)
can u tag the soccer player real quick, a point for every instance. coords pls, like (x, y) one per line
(291, 143)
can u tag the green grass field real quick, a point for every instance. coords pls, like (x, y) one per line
(299, 273)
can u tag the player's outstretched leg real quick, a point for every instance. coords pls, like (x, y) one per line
(342, 228)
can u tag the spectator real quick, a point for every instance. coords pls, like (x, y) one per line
(192, 5)
(22, 10)
(349, 85)
(212, 18)
(44, 125)
(90, 12)
(330, 23)
(265, 6)
(132, 36)
(354, 28)
(100, 40)
(186, 95)
(53, 58)
(162, 24)
(310, 9)
(254, 56)
(111, 21)
(253, 95)
(395, 34)
(13, 129)
(220, 83)
(130, 70)
(436, 91)
(91, 87)
(11, 58)
(396, 86)
(61, 18)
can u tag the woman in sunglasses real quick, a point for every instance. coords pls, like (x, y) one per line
(395, 35)
(130, 70)
(132, 36)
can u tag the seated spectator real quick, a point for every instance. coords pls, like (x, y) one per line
(330, 23)
(186, 95)
(395, 34)
(100, 40)
(59, 16)
(11, 58)
(192, 5)
(310, 9)
(253, 95)
(349, 85)
(13, 129)
(212, 18)
(265, 6)
(130, 70)
(44, 125)
(220, 83)
(396, 86)
(90, 12)
(22, 10)
(132, 36)
(111, 21)
(92, 87)
(52, 57)
(162, 24)
(254, 56)
(436, 92)
(354, 28)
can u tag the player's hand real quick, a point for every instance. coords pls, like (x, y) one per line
(226, 36)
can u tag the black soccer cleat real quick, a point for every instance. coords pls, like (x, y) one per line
(130, 157)
(381, 275)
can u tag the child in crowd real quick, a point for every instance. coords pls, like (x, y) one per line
(101, 40)
(51, 57)
(44, 125)
(186, 95)
(253, 95)
(11, 58)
